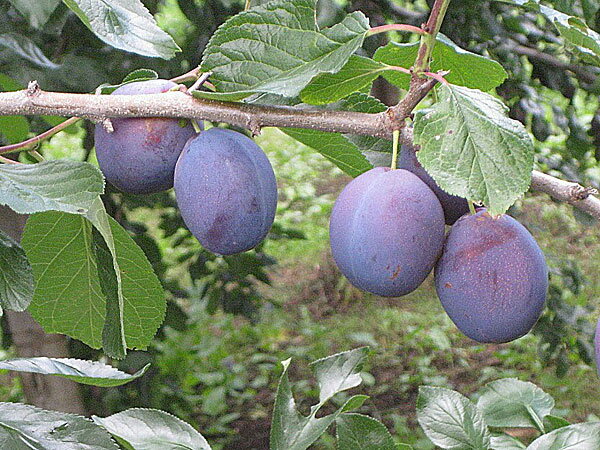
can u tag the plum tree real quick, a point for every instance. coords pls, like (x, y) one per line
(139, 156)
(226, 191)
(454, 207)
(386, 231)
(492, 277)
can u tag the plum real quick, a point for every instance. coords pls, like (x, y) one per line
(386, 231)
(492, 278)
(454, 206)
(226, 191)
(139, 156)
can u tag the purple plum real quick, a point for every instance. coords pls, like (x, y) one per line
(386, 231)
(492, 278)
(226, 191)
(139, 156)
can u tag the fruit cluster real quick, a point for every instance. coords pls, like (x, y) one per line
(387, 234)
(387, 226)
(224, 184)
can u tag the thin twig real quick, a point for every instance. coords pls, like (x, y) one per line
(395, 27)
(32, 142)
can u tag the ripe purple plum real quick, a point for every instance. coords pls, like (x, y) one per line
(454, 206)
(386, 231)
(226, 191)
(139, 156)
(492, 278)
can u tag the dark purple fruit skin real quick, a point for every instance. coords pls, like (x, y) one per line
(139, 157)
(226, 191)
(492, 278)
(454, 207)
(386, 231)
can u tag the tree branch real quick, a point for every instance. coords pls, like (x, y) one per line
(568, 192)
(178, 104)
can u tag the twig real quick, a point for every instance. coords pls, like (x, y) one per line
(565, 191)
(32, 142)
(395, 27)
(8, 161)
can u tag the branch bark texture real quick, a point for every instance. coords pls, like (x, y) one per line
(179, 104)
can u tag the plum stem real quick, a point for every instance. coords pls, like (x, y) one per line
(471, 207)
(395, 27)
(395, 139)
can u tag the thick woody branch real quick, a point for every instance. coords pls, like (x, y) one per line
(565, 191)
(179, 104)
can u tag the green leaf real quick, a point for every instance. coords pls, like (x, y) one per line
(37, 12)
(328, 88)
(26, 49)
(136, 303)
(581, 436)
(86, 372)
(136, 75)
(377, 150)
(503, 441)
(58, 185)
(68, 296)
(290, 430)
(351, 153)
(25, 427)
(14, 128)
(511, 403)
(333, 146)
(339, 372)
(472, 149)
(573, 29)
(466, 68)
(149, 429)
(278, 48)
(552, 423)
(126, 25)
(16, 276)
(358, 432)
(450, 420)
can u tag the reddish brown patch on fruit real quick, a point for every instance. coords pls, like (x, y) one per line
(396, 273)
(448, 285)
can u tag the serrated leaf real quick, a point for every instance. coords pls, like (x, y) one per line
(290, 430)
(581, 436)
(503, 441)
(16, 276)
(358, 432)
(126, 25)
(466, 68)
(25, 427)
(472, 148)
(573, 29)
(513, 403)
(278, 48)
(58, 185)
(450, 420)
(37, 12)
(26, 49)
(357, 73)
(86, 372)
(152, 429)
(69, 296)
(339, 372)
(137, 315)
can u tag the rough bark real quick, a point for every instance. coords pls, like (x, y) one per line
(29, 339)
